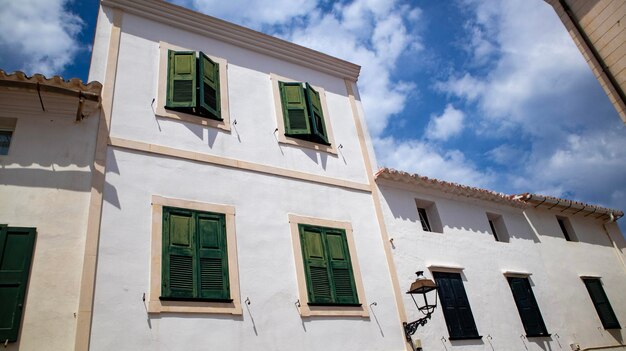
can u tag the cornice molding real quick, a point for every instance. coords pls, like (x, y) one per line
(191, 21)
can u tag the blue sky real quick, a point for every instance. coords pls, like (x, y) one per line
(486, 93)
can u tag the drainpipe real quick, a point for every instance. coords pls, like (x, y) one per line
(606, 231)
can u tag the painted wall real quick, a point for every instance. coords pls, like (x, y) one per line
(45, 182)
(466, 242)
(267, 272)
(266, 262)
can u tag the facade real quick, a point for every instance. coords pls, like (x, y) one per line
(597, 27)
(239, 214)
(525, 279)
(47, 144)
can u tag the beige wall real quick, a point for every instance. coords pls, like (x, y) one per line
(603, 23)
(45, 182)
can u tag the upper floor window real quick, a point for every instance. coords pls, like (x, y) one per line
(566, 228)
(193, 84)
(428, 216)
(5, 141)
(497, 226)
(302, 112)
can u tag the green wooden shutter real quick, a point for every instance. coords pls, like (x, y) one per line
(340, 267)
(317, 116)
(179, 261)
(209, 92)
(527, 307)
(181, 79)
(294, 109)
(16, 252)
(455, 305)
(602, 304)
(315, 265)
(213, 256)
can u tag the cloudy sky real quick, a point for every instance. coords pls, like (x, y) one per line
(486, 93)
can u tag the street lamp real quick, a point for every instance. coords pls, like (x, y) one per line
(421, 286)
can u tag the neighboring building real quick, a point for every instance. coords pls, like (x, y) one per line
(239, 214)
(598, 29)
(48, 131)
(513, 271)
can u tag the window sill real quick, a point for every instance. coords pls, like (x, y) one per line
(186, 305)
(163, 112)
(455, 338)
(538, 335)
(164, 298)
(287, 140)
(334, 304)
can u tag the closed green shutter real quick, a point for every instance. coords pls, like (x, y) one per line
(527, 307)
(294, 109)
(213, 257)
(181, 79)
(340, 267)
(601, 303)
(16, 251)
(315, 265)
(209, 92)
(455, 305)
(317, 116)
(179, 261)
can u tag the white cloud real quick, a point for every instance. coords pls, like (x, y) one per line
(446, 125)
(38, 36)
(427, 159)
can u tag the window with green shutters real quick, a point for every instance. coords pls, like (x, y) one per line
(601, 303)
(195, 260)
(527, 307)
(193, 84)
(327, 265)
(302, 112)
(455, 306)
(16, 252)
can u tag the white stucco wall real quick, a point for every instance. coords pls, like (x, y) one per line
(45, 182)
(467, 242)
(267, 272)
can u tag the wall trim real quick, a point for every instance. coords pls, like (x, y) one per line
(88, 278)
(207, 26)
(234, 163)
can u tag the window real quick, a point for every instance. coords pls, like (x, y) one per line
(527, 307)
(194, 265)
(302, 111)
(192, 87)
(193, 84)
(566, 228)
(455, 306)
(498, 228)
(601, 303)
(195, 259)
(327, 266)
(5, 141)
(302, 117)
(428, 216)
(16, 252)
(327, 269)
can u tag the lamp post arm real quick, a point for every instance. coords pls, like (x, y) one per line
(410, 328)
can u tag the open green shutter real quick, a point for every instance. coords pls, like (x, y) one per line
(179, 261)
(181, 79)
(315, 265)
(294, 109)
(213, 257)
(16, 252)
(209, 92)
(527, 307)
(340, 267)
(317, 116)
(602, 304)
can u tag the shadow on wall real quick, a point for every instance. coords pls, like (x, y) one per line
(578, 228)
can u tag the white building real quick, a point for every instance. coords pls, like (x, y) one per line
(513, 271)
(213, 196)
(48, 131)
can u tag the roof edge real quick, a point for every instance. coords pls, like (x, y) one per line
(74, 86)
(569, 206)
(192, 21)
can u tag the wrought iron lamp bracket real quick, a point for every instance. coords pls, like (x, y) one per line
(410, 328)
